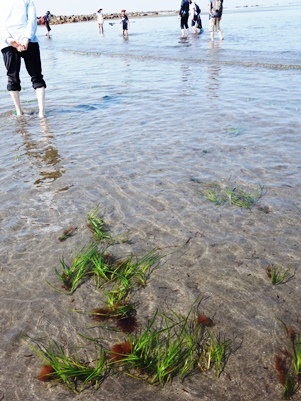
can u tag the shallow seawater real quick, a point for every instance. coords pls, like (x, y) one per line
(128, 104)
(140, 127)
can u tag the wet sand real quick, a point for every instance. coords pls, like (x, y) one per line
(217, 253)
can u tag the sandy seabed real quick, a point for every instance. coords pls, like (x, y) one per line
(218, 255)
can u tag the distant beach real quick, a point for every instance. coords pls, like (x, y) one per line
(61, 19)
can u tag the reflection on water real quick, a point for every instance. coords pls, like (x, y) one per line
(215, 45)
(185, 73)
(213, 82)
(41, 153)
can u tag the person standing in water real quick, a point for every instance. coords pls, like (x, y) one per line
(18, 26)
(125, 23)
(184, 14)
(100, 21)
(193, 15)
(215, 16)
(47, 22)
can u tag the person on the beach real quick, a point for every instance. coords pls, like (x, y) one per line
(18, 26)
(100, 21)
(46, 22)
(184, 14)
(215, 16)
(125, 23)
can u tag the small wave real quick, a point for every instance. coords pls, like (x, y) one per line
(143, 57)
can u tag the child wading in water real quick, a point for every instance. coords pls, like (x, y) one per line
(125, 23)
(46, 22)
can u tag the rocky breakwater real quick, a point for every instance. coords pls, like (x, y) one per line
(64, 19)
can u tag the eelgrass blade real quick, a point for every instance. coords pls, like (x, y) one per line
(69, 369)
(98, 373)
(215, 196)
(101, 269)
(297, 356)
(118, 295)
(161, 353)
(142, 345)
(173, 358)
(181, 339)
(146, 265)
(138, 270)
(216, 352)
(279, 274)
(234, 196)
(290, 386)
(81, 266)
(97, 226)
(242, 199)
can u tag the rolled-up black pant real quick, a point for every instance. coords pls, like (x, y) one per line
(184, 21)
(32, 59)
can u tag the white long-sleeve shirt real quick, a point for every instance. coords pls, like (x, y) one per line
(17, 20)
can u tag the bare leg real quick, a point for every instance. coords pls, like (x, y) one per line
(219, 29)
(40, 94)
(15, 95)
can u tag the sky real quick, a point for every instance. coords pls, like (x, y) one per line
(78, 7)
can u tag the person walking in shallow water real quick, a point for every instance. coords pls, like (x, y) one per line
(215, 16)
(183, 15)
(194, 12)
(18, 26)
